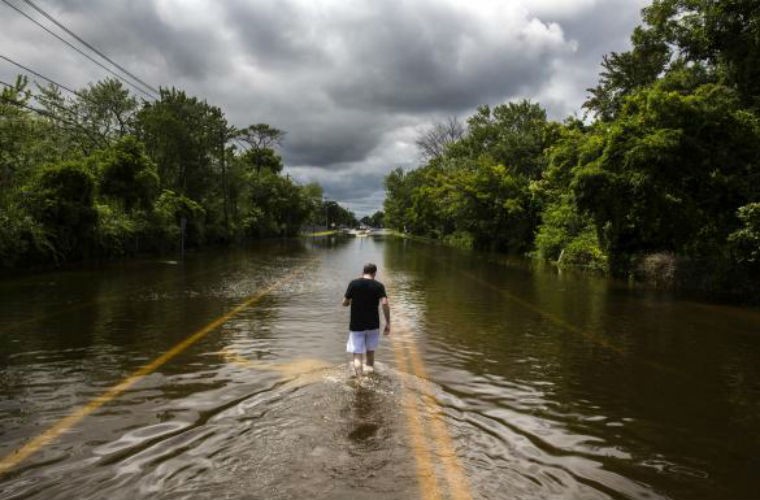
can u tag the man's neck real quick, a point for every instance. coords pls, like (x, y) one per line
(368, 276)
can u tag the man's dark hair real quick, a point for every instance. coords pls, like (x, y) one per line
(370, 268)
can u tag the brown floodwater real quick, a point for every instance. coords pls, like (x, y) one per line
(499, 380)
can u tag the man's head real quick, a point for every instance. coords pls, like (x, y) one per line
(370, 269)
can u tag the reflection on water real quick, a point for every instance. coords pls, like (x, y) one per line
(549, 385)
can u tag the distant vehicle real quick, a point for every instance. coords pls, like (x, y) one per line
(361, 231)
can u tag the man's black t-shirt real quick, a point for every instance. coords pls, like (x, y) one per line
(365, 295)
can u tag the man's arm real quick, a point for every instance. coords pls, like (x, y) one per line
(387, 313)
(348, 295)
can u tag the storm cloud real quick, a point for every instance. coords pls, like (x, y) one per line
(352, 83)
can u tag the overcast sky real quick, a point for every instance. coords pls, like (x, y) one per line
(351, 82)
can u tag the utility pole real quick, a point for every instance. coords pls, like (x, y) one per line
(182, 226)
(225, 183)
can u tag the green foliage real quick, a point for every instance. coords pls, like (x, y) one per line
(61, 200)
(479, 191)
(672, 164)
(460, 239)
(492, 203)
(624, 73)
(171, 210)
(127, 175)
(668, 174)
(514, 134)
(261, 136)
(745, 241)
(185, 137)
(723, 35)
(583, 250)
(332, 214)
(398, 189)
(108, 109)
(278, 206)
(258, 160)
(99, 175)
(375, 220)
(22, 238)
(566, 234)
(26, 141)
(117, 232)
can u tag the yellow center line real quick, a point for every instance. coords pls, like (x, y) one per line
(458, 485)
(456, 478)
(46, 437)
(425, 472)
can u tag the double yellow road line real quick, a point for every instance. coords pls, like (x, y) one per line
(439, 470)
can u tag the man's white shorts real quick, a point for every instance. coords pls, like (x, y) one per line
(361, 342)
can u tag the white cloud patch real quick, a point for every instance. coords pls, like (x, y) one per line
(352, 83)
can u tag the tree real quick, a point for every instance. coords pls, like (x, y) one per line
(433, 142)
(491, 202)
(374, 220)
(17, 135)
(81, 176)
(61, 199)
(277, 206)
(127, 175)
(672, 172)
(626, 72)
(401, 190)
(261, 136)
(745, 241)
(336, 215)
(107, 109)
(183, 135)
(566, 234)
(266, 159)
(262, 139)
(514, 134)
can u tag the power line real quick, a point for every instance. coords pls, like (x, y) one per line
(55, 104)
(6, 2)
(42, 112)
(64, 28)
(50, 80)
(53, 117)
(64, 87)
(36, 110)
(241, 144)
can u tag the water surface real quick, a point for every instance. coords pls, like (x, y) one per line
(530, 383)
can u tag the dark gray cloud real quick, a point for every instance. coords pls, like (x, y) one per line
(352, 83)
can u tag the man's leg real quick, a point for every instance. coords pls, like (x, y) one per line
(373, 337)
(356, 346)
(357, 362)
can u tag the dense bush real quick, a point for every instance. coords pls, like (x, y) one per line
(61, 200)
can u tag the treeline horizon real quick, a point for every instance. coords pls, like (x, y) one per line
(101, 174)
(661, 181)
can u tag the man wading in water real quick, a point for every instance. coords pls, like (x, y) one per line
(364, 295)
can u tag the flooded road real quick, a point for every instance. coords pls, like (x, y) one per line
(498, 381)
